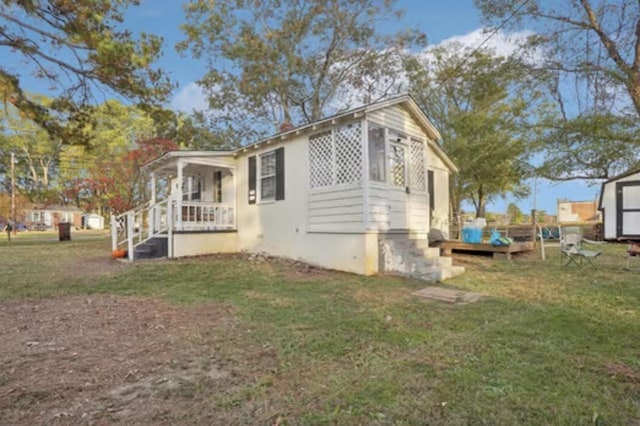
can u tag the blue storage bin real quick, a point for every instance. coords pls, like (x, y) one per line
(471, 235)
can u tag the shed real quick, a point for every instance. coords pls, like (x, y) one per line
(92, 221)
(620, 206)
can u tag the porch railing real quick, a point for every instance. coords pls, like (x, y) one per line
(205, 216)
(136, 226)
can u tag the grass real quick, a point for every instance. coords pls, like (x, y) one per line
(550, 345)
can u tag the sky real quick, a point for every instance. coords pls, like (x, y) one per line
(442, 21)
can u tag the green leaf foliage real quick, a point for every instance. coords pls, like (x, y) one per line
(273, 62)
(482, 104)
(586, 57)
(79, 49)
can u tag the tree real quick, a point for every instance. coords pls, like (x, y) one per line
(482, 103)
(86, 172)
(36, 153)
(77, 47)
(514, 213)
(125, 186)
(191, 131)
(273, 62)
(587, 55)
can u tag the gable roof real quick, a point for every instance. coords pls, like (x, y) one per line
(622, 175)
(405, 101)
(613, 179)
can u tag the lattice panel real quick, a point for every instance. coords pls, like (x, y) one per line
(321, 160)
(397, 165)
(416, 166)
(348, 154)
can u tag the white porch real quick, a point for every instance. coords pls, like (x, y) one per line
(190, 192)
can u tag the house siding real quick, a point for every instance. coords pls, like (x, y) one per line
(336, 210)
(397, 118)
(277, 227)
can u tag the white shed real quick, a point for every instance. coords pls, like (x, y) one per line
(620, 206)
(92, 221)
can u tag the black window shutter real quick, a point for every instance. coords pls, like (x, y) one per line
(252, 180)
(280, 174)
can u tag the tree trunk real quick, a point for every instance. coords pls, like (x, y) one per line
(480, 207)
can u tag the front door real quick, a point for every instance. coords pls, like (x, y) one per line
(398, 194)
(628, 209)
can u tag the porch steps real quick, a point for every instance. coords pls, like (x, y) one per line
(402, 255)
(153, 248)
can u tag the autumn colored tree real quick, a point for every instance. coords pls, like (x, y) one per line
(120, 185)
(78, 48)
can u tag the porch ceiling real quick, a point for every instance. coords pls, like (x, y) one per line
(168, 163)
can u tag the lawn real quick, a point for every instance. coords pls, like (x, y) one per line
(239, 340)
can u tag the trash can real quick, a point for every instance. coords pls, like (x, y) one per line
(64, 231)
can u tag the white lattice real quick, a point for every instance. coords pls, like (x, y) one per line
(397, 166)
(416, 166)
(348, 154)
(321, 160)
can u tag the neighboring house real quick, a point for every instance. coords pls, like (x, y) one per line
(577, 212)
(48, 217)
(356, 192)
(620, 206)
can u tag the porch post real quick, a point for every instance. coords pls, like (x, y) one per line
(179, 178)
(170, 215)
(114, 232)
(235, 198)
(131, 218)
(152, 216)
(153, 188)
(364, 140)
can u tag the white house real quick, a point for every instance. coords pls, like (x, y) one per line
(356, 192)
(620, 206)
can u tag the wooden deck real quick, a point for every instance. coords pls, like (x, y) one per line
(499, 252)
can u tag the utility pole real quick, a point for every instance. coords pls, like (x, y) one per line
(13, 192)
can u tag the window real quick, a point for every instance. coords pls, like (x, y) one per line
(377, 169)
(192, 188)
(268, 176)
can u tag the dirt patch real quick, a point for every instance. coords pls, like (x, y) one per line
(291, 269)
(99, 359)
(98, 265)
(622, 372)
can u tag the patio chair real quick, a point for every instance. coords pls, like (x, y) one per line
(571, 248)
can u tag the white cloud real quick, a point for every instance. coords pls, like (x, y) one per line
(503, 44)
(191, 97)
